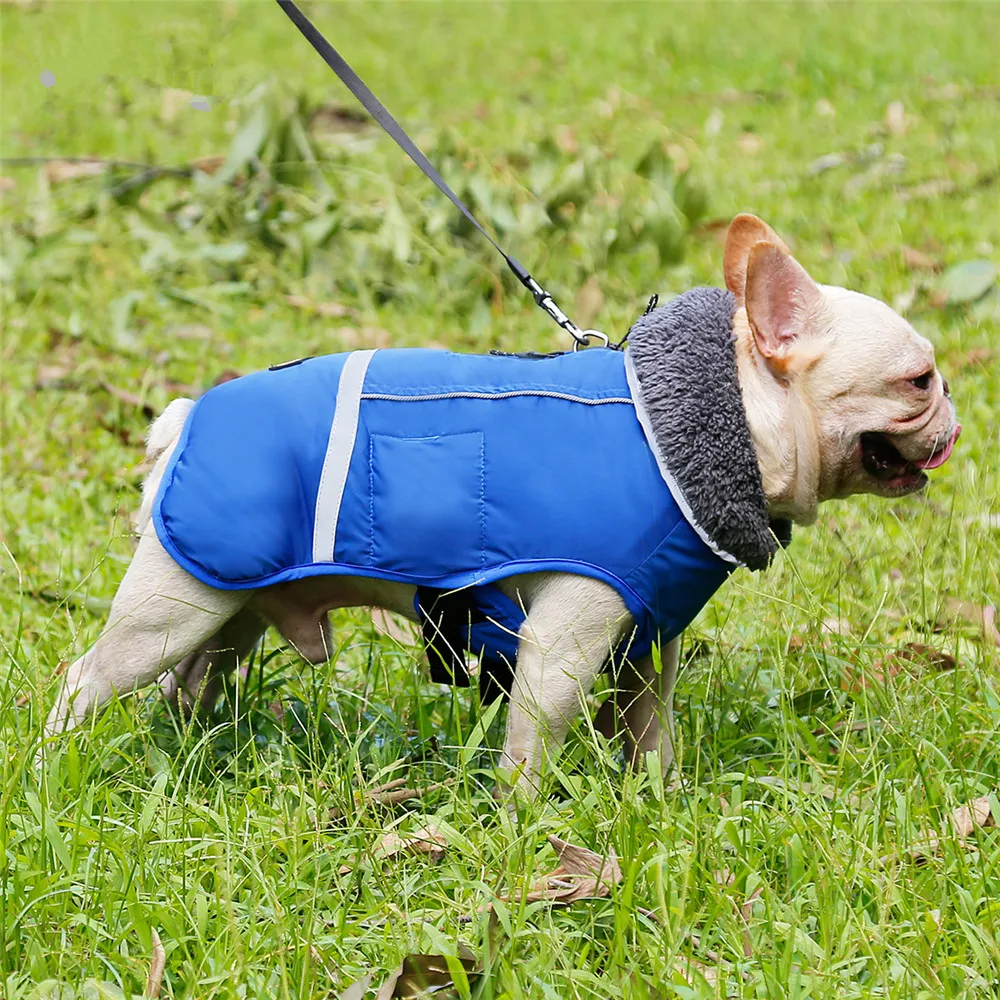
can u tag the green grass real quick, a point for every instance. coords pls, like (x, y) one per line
(219, 835)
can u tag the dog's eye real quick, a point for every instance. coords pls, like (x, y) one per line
(922, 382)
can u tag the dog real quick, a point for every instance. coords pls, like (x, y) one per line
(553, 515)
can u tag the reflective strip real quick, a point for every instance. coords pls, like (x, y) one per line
(675, 490)
(510, 394)
(339, 449)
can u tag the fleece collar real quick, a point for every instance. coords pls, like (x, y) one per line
(681, 367)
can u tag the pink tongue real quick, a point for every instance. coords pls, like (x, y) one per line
(941, 456)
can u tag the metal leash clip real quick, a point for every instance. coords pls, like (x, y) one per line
(581, 338)
(585, 336)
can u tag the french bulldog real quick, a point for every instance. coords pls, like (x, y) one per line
(838, 395)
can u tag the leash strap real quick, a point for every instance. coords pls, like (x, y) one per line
(378, 111)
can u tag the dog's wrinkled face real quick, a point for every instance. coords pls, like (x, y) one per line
(849, 365)
(882, 408)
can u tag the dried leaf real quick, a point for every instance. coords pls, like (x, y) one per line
(692, 970)
(977, 614)
(339, 118)
(918, 652)
(975, 814)
(7, 183)
(582, 874)
(357, 991)
(52, 376)
(745, 911)
(58, 171)
(208, 164)
(964, 821)
(835, 626)
(723, 877)
(917, 260)
(718, 228)
(905, 659)
(157, 963)
(421, 976)
(750, 143)
(427, 840)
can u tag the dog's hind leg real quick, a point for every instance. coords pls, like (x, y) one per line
(195, 682)
(160, 615)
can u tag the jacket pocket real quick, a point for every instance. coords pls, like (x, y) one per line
(427, 504)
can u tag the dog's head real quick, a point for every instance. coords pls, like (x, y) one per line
(880, 411)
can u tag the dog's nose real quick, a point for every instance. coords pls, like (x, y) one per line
(945, 386)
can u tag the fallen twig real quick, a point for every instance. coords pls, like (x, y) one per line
(130, 399)
(391, 793)
(386, 798)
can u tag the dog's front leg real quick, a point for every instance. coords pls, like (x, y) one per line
(573, 623)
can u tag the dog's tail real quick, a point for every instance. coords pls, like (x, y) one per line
(160, 442)
(166, 428)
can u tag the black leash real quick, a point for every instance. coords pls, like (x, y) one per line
(377, 110)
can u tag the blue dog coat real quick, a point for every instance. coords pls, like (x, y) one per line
(448, 472)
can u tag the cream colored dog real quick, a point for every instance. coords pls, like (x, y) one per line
(841, 395)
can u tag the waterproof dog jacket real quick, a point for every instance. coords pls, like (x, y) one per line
(450, 472)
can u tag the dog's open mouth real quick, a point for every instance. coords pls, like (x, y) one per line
(884, 463)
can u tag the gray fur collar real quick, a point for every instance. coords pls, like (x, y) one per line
(681, 367)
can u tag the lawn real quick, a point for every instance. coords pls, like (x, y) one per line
(834, 712)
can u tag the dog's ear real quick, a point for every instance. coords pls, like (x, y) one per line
(782, 302)
(744, 231)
